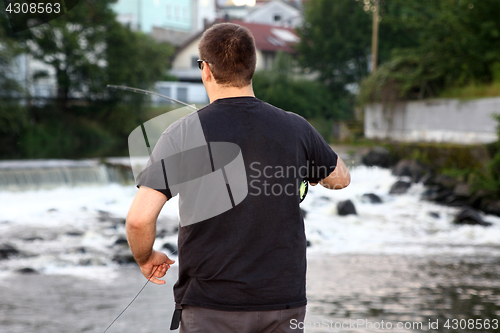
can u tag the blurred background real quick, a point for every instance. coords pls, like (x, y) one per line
(406, 91)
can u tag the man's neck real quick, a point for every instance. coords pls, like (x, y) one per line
(227, 92)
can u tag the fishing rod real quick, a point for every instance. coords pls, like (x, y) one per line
(132, 301)
(146, 92)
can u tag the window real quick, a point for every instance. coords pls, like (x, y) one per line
(277, 18)
(182, 94)
(164, 91)
(194, 62)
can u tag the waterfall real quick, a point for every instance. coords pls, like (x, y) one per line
(35, 174)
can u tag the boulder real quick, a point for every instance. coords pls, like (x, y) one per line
(469, 216)
(445, 181)
(122, 241)
(123, 259)
(27, 270)
(378, 156)
(491, 206)
(371, 198)
(74, 233)
(462, 190)
(7, 251)
(430, 194)
(427, 179)
(32, 239)
(434, 215)
(346, 208)
(400, 187)
(409, 168)
(308, 243)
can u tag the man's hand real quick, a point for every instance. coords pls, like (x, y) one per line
(141, 233)
(340, 177)
(158, 263)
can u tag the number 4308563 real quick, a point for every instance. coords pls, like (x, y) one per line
(471, 324)
(33, 8)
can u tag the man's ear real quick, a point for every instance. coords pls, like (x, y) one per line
(207, 74)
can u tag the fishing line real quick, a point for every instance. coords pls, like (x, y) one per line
(132, 301)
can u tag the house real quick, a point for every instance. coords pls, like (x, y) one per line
(173, 21)
(276, 12)
(269, 40)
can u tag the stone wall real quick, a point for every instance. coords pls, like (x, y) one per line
(440, 120)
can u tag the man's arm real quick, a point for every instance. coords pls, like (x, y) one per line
(340, 177)
(141, 233)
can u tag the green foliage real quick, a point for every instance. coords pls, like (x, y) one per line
(87, 49)
(458, 44)
(335, 40)
(288, 91)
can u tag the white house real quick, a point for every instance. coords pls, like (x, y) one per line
(187, 92)
(275, 12)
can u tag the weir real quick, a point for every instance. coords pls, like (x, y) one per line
(21, 175)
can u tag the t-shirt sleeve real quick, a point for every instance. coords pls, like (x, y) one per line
(163, 160)
(321, 158)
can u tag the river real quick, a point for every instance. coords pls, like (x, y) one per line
(401, 263)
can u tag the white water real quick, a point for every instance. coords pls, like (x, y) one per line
(400, 225)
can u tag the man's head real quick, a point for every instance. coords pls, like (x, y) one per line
(229, 49)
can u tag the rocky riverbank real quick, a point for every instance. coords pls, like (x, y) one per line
(440, 187)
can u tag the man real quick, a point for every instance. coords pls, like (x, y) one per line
(242, 268)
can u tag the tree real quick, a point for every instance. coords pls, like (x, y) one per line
(88, 49)
(279, 87)
(13, 117)
(457, 43)
(335, 41)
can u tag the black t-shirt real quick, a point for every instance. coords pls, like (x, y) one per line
(252, 255)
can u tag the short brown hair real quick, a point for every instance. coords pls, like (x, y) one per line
(230, 51)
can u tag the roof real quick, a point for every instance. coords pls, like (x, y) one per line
(271, 38)
(268, 38)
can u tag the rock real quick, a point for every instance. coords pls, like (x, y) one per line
(7, 251)
(409, 168)
(462, 190)
(51, 210)
(162, 233)
(123, 259)
(81, 250)
(434, 215)
(303, 212)
(32, 239)
(490, 206)
(371, 198)
(378, 156)
(346, 208)
(400, 187)
(430, 194)
(171, 247)
(469, 216)
(479, 198)
(325, 198)
(443, 196)
(74, 233)
(122, 242)
(27, 270)
(445, 181)
(427, 179)
(107, 217)
(308, 243)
